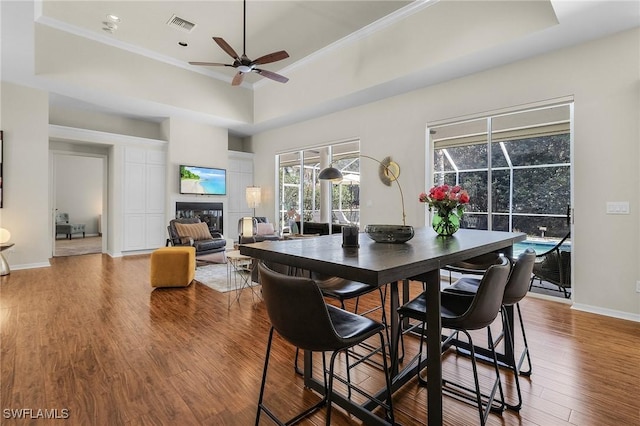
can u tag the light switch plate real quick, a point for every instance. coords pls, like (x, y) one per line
(617, 207)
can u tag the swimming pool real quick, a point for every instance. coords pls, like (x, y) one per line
(539, 246)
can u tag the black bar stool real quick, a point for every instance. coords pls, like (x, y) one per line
(298, 312)
(464, 312)
(515, 291)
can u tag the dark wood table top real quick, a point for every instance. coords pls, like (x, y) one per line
(381, 263)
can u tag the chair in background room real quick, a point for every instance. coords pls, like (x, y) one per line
(326, 328)
(68, 229)
(463, 313)
(515, 291)
(554, 266)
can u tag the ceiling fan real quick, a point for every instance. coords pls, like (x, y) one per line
(242, 63)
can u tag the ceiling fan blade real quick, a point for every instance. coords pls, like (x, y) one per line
(237, 79)
(211, 64)
(271, 57)
(271, 75)
(225, 46)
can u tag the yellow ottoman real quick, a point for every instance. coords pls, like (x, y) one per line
(173, 266)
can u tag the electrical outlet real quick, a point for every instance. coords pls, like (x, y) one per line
(637, 286)
(617, 207)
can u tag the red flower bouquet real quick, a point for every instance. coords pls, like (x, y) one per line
(448, 202)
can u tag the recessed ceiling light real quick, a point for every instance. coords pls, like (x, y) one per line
(183, 44)
(113, 18)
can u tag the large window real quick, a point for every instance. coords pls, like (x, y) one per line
(516, 168)
(304, 198)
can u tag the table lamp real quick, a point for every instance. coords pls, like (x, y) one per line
(5, 236)
(247, 227)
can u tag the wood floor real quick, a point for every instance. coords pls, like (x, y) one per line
(89, 339)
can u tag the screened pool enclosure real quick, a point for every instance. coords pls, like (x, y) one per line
(516, 168)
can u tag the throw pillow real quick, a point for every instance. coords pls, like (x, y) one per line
(265, 229)
(197, 231)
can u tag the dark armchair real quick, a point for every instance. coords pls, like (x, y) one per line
(193, 232)
(554, 266)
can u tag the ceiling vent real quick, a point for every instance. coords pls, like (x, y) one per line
(181, 24)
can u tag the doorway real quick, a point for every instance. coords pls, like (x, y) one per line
(78, 190)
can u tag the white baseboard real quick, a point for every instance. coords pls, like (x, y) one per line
(550, 298)
(606, 312)
(136, 252)
(30, 266)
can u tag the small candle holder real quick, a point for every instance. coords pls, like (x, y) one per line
(350, 237)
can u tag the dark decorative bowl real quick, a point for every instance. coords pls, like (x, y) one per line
(389, 233)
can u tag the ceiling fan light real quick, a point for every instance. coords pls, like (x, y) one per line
(243, 64)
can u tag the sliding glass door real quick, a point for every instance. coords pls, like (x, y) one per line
(516, 168)
(304, 198)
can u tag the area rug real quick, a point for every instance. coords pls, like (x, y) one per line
(215, 277)
(78, 246)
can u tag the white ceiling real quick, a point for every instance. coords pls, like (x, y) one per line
(299, 27)
(310, 31)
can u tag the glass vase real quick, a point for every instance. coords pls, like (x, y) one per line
(445, 223)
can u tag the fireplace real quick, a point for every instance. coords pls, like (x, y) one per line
(210, 213)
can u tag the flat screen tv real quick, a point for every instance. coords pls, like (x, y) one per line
(203, 180)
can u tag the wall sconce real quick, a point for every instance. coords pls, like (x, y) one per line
(379, 233)
(253, 195)
(390, 172)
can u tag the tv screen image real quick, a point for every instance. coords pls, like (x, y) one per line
(203, 180)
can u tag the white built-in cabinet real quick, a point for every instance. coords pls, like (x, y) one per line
(144, 198)
(239, 176)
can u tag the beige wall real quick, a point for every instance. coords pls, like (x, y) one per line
(104, 71)
(237, 144)
(26, 214)
(79, 189)
(92, 120)
(193, 144)
(603, 78)
(404, 49)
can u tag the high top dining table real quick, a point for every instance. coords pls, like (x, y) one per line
(378, 264)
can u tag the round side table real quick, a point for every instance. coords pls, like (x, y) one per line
(4, 266)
